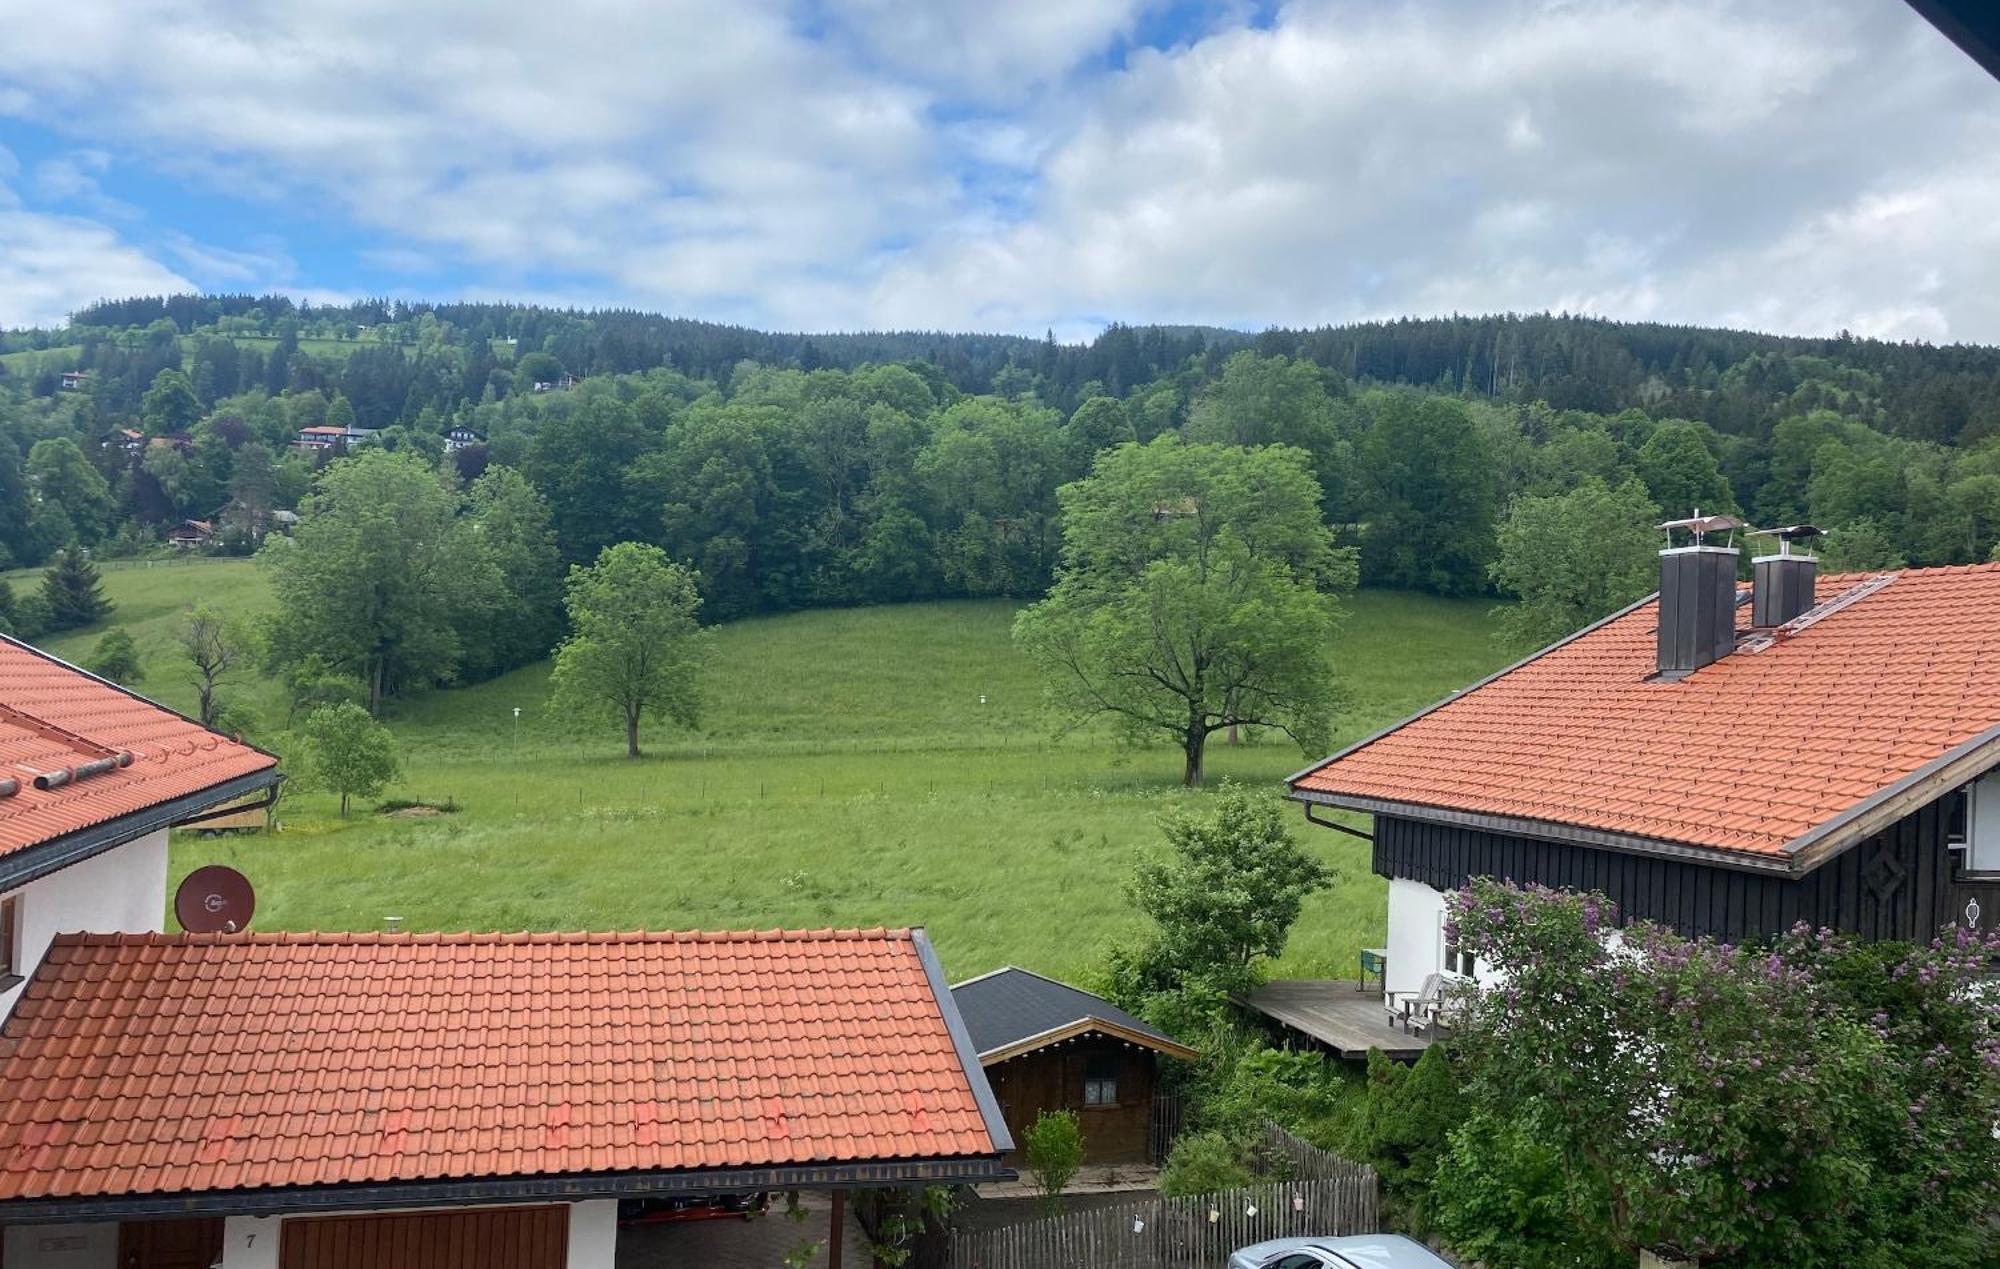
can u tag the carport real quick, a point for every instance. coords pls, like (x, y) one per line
(312, 1101)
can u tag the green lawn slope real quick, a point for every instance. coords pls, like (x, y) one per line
(876, 766)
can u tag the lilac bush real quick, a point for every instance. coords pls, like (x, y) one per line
(1811, 1100)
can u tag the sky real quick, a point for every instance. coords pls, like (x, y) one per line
(1019, 167)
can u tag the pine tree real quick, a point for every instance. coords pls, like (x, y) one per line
(74, 591)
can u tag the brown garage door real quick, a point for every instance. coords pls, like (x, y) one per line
(489, 1238)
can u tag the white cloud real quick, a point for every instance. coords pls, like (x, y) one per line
(52, 265)
(950, 163)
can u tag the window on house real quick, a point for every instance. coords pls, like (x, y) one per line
(1982, 825)
(1957, 816)
(1100, 1081)
(10, 938)
(1457, 960)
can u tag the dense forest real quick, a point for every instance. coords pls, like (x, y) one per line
(803, 470)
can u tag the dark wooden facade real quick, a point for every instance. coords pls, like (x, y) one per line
(483, 1238)
(1053, 1079)
(1902, 883)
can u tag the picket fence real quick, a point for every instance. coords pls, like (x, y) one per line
(1327, 1196)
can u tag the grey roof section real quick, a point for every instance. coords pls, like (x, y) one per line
(1010, 1005)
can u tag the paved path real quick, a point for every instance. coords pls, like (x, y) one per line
(735, 1243)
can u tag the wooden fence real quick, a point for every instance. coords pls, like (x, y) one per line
(1327, 1196)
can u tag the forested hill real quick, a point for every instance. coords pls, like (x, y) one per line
(1733, 380)
(803, 470)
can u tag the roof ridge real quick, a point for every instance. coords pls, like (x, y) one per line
(478, 938)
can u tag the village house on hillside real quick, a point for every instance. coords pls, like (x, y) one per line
(461, 437)
(330, 437)
(428, 1101)
(1048, 1046)
(1727, 761)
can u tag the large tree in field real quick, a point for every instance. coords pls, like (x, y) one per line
(213, 648)
(1195, 593)
(380, 575)
(1573, 558)
(1431, 497)
(635, 647)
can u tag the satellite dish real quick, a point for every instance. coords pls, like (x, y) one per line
(215, 900)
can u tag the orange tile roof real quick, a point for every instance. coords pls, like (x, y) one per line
(1790, 737)
(54, 716)
(156, 1064)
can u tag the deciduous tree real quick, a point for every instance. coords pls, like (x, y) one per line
(116, 657)
(1195, 593)
(379, 576)
(347, 752)
(1573, 558)
(634, 647)
(213, 648)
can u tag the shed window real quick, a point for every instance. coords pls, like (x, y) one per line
(1957, 816)
(1100, 1081)
(10, 939)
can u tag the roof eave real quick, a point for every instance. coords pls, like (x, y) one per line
(1551, 830)
(568, 1188)
(1084, 1026)
(1876, 812)
(31, 863)
(961, 1040)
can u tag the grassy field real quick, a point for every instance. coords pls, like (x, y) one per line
(848, 772)
(64, 357)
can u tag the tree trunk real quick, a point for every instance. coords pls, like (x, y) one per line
(1193, 743)
(207, 702)
(631, 733)
(375, 689)
(343, 806)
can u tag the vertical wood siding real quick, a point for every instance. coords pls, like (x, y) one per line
(1899, 884)
(492, 1238)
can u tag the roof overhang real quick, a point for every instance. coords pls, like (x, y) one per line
(1973, 25)
(1081, 1027)
(961, 1040)
(1550, 830)
(31, 863)
(312, 1200)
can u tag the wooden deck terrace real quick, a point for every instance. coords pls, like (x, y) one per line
(1336, 1014)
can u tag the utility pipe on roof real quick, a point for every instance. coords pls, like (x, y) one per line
(9, 786)
(69, 775)
(1336, 826)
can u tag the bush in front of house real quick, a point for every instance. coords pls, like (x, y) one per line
(1204, 1162)
(1053, 1145)
(1812, 1101)
(1401, 1126)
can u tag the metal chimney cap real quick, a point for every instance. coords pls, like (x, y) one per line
(1699, 524)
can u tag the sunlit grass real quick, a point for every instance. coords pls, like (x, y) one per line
(847, 772)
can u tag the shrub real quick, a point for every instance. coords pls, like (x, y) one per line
(1054, 1148)
(1202, 1163)
(1402, 1127)
(115, 657)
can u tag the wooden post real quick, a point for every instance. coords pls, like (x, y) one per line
(837, 1231)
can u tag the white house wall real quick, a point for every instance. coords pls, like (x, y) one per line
(60, 1246)
(123, 890)
(1416, 938)
(1416, 914)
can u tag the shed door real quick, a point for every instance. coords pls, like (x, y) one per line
(490, 1238)
(169, 1244)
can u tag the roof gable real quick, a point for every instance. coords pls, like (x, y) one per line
(1757, 756)
(1012, 1011)
(55, 718)
(187, 1064)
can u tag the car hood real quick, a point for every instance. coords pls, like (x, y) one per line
(1364, 1251)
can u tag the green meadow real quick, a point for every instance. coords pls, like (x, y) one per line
(874, 766)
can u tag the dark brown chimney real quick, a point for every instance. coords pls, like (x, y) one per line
(1697, 606)
(1783, 584)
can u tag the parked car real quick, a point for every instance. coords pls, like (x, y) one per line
(1363, 1251)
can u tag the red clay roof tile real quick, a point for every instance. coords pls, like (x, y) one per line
(55, 716)
(150, 1064)
(1794, 734)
